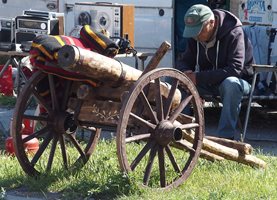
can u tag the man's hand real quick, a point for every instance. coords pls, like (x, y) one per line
(191, 76)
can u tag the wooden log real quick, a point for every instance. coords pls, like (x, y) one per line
(110, 72)
(107, 93)
(105, 110)
(221, 150)
(183, 144)
(96, 66)
(243, 148)
(103, 68)
(227, 152)
(155, 60)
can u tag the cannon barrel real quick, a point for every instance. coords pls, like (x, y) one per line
(96, 66)
(116, 76)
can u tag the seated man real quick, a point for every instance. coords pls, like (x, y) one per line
(217, 60)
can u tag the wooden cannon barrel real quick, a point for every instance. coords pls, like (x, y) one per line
(116, 76)
(96, 66)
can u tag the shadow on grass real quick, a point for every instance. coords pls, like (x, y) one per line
(68, 185)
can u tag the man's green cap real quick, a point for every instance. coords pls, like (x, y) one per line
(194, 19)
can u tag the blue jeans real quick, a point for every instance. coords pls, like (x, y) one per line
(231, 92)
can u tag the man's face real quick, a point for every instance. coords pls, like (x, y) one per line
(206, 32)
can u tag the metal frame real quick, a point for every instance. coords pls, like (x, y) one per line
(14, 56)
(257, 69)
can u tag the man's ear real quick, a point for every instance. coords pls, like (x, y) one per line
(212, 21)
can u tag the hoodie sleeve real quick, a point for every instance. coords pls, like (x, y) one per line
(234, 59)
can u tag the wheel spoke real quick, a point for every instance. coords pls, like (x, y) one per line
(137, 137)
(159, 102)
(42, 148)
(41, 100)
(54, 99)
(148, 108)
(169, 100)
(162, 166)
(149, 165)
(66, 94)
(77, 146)
(63, 150)
(36, 134)
(181, 107)
(36, 118)
(143, 122)
(189, 126)
(186, 119)
(149, 145)
(92, 140)
(184, 145)
(172, 159)
(52, 153)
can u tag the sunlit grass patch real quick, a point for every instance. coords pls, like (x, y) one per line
(101, 178)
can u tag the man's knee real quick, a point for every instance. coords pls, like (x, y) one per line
(231, 85)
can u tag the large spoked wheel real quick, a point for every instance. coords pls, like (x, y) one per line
(154, 139)
(57, 140)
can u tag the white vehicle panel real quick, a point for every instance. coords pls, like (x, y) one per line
(14, 8)
(153, 25)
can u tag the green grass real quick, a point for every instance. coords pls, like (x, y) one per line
(102, 179)
(7, 101)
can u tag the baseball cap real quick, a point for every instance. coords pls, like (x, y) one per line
(194, 19)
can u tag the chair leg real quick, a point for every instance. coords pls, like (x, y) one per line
(249, 106)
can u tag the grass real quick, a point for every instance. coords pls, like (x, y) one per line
(7, 101)
(102, 179)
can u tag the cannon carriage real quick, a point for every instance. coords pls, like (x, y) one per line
(98, 93)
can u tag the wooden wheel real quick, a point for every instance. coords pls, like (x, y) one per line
(151, 129)
(54, 127)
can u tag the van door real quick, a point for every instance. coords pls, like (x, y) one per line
(13, 8)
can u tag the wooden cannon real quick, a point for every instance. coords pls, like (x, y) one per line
(144, 108)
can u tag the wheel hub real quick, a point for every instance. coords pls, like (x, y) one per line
(65, 123)
(166, 132)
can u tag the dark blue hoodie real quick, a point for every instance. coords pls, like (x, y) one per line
(231, 55)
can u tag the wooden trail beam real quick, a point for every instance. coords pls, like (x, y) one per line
(223, 151)
(227, 152)
(183, 144)
(155, 60)
(243, 148)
